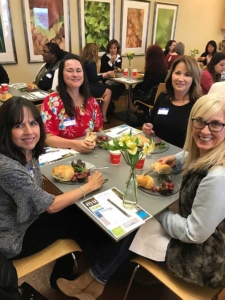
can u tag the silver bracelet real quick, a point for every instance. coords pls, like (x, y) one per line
(82, 191)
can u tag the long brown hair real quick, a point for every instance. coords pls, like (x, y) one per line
(154, 60)
(90, 53)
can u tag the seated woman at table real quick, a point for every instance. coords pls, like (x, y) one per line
(32, 219)
(195, 252)
(71, 112)
(89, 56)
(170, 113)
(169, 47)
(4, 78)
(155, 73)
(177, 51)
(210, 50)
(213, 72)
(52, 55)
(198, 229)
(111, 61)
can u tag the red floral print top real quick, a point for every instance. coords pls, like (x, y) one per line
(58, 123)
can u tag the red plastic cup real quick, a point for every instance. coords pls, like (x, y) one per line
(140, 164)
(115, 157)
(134, 72)
(125, 72)
(5, 88)
(0, 90)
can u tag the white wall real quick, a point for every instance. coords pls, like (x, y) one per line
(198, 22)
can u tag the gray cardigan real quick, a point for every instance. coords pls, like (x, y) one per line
(21, 201)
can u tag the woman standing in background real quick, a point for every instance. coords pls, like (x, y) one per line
(177, 51)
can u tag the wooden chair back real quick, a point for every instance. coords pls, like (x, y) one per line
(38, 106)
(161, 88)
(183, 289)
(56, 250)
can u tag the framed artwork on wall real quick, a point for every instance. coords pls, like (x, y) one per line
(135, 22)
(45, 21)
(165, 18)
(97, 22)
(7, 44)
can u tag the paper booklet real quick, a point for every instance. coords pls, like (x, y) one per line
(54, 154)
(116, 132)
(107, 207)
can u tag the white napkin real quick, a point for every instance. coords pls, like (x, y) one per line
(151, 241)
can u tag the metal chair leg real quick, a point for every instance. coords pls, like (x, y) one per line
(75, 262)
(130, 282)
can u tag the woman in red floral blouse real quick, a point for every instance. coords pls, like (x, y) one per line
(70, 112)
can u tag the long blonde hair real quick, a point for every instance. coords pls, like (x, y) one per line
(90, 53)
(205, 107)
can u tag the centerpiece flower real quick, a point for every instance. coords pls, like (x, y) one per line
(132, 151)
(130, 56)
(194, 51)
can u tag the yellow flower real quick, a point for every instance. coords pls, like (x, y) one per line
(148, 148)
(132, 147)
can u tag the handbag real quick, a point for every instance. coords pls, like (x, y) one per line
(146, 97)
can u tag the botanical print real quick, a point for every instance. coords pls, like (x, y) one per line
(47, 23)
(135, 20)
(164, 26)
(97, 23)
(2, 41)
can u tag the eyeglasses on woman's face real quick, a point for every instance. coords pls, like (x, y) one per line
(213, 126)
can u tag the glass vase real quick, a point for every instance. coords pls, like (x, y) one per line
(130, 196)
(129, 72)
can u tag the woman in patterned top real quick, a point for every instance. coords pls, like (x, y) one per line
(71, 112)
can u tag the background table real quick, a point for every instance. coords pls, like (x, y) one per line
(28, 95)
(117, 176)
(130, 82)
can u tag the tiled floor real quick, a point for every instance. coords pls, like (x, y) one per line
(116, 287)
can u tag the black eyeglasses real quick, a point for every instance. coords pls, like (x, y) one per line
(213, 126)
(45, 51)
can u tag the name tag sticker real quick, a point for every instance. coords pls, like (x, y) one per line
(69, 122)
(49, 75)
(163, 111)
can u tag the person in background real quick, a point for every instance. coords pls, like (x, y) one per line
(169, 47)
(177, 51)
(52, 56)
(195, 251)
(222, 48)
(210, 50)
(71, 112)
(155, 73)
(171, 111)
(112, 61)
(213, 71)
(218, 88)
(4, 78)
(32, 219)
(89, 57)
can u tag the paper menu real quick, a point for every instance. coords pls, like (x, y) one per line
(116, 132)
(114, 220)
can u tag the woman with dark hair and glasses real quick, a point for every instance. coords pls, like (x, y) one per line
(210, 50)
(32, 219)
(213, 72)
(52, 56)
(71, 112)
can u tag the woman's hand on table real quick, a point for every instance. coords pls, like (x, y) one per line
(147, 128)
(95, 180)
(108, 74)
(82, 146)
(169, 160)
